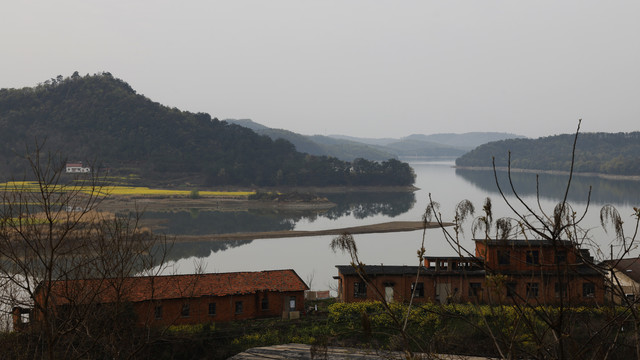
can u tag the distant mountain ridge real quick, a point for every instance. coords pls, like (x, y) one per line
(349, 148)
(318, 144)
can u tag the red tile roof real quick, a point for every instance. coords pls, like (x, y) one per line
(136, 289)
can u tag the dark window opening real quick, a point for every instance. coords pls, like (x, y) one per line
(588, 290)
(360, 289)
(561, 257)
(212, 309)
(561, 289)
(532, 290)
(533, 257)
(185, 310)
(511, 289)
(158, 312)
(418, 288)
(504, 257)
(238, 307)
(475, 289)
(264, 304)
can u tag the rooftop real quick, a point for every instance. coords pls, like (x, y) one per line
(629, 267)
(381, 269)
(524, 242)
(136, 289)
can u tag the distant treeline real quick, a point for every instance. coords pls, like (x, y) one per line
(99, 117)
(605, 153)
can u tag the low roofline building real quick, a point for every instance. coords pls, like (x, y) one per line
(181, 299)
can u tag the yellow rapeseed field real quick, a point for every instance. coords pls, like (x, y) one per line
(116, 190)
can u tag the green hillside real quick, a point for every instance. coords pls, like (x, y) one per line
(605, 153)
(99, 117)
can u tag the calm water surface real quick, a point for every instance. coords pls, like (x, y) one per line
(314, 261)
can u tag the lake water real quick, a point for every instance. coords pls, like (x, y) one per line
(314, 261)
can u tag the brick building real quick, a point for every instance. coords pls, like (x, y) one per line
(541, 271)
(183, 299)
(502, 271)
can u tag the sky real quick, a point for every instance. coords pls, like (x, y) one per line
(366, 68)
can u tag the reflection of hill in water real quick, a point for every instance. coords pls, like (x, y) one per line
(618, 192)
(365, 204)
(202, 222)
(202, 249)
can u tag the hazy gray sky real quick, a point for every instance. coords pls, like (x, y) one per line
(357, 67)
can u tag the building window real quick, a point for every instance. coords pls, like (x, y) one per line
(360, 289)
(185, 310)
(588, 290)
(532, 290)
(561, 257)
(264, 304)
(212, 309)
(238, 307)
(504, 257)
(561, 289)
(475, 289)
(418, 288)
(158, 312)
(292, 303)
(533, 257)
(511, 289)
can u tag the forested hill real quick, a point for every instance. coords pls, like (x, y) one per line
(99, 117)
(605, 153)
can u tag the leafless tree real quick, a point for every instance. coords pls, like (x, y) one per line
(51, 231)
(555, 331)
(522, 326)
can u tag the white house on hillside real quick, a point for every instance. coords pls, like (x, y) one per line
(76, 168)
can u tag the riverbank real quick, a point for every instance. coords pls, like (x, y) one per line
(553, 172)
(238, 203)
(341, 189)
(393, 226)
(117, 203)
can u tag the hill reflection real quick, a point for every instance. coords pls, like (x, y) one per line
(366, 204)
(358, 205)
(621, 193)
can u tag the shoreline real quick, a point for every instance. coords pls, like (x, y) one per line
(150, 203)
(386, 227)
(154, 202)
(340, 189)
(553, 172)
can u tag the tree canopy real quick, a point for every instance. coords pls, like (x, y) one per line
(605, 153)
(101, 117)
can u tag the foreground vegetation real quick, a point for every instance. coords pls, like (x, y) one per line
(453, 329)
